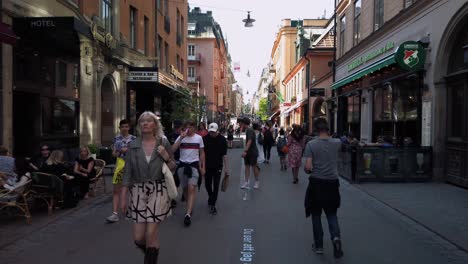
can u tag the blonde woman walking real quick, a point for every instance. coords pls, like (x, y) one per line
(144, 179)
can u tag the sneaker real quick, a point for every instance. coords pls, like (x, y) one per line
(213, 210)
(317, 250)
(245, 185)
(187, 220)
(257, 185)
(114, 217)
(337, 250)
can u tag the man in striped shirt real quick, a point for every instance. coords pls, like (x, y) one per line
(191, 166)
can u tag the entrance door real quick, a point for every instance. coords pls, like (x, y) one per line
(107, 110)
(26, 123)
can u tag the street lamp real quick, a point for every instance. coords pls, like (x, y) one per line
(248, 21)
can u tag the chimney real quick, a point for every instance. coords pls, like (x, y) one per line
(196, 10)
(209, 13)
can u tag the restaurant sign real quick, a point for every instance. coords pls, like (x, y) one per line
(411, 56)
(371, 55)
(142, 76)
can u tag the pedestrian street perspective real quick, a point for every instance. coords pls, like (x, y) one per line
(175, 131)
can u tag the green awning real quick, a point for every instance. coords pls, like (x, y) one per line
(390, 59)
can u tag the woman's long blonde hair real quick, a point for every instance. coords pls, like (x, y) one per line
(56, 157)
(158, 131)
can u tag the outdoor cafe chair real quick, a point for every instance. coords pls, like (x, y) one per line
(17, 198)
(48, 188)
(99, 166)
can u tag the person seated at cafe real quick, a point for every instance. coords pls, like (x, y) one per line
(7, 165)
(55, 165)
(84, 171)
(39, 160)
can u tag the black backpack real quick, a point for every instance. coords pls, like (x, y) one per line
(260, 138)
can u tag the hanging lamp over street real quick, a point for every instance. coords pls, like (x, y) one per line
(248, 21)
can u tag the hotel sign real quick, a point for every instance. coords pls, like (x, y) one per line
(176, 73)
(371, 55)
(142, 76)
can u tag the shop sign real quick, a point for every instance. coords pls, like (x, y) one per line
(371, 55)
(163, 79)
(176, 73)
(142, 76)
(102, 36)
(411, 56)
(316, 92)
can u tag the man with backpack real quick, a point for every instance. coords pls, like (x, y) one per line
(280, 147)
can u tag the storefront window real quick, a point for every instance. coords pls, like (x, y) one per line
(406, 100)
(354, 109)
(59, 116)
(383, 104)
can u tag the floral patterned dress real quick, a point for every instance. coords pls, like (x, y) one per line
(295, 152)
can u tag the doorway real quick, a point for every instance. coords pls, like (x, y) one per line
(107, 111)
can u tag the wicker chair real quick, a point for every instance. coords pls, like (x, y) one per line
(99, 165)
(17, 198)
(48, 188)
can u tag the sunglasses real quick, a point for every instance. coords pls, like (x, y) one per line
(44, 149)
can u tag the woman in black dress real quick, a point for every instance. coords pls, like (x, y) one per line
(84, 171)
(230, 136)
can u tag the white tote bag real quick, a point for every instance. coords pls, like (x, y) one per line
(170, 184)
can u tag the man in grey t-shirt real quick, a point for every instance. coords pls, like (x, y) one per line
(323, 191)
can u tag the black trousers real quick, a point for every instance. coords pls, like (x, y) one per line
(267, 150)
(212, 181)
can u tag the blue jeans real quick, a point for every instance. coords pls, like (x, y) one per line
(333, 226)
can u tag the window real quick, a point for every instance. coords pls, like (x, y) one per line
(191, 50)
(106, 14)
(59, 116)
(178, 62)
(354, 111)
(408, 3)
(182, 28)
(159, 4)
(378, 14)
(61, 74)
(133, 23)
(357, 22)
(191, 72)
(145, 29)
(457, 108)
(178, 22)
(166, 56)
(342, 34)
(191, 28)
(166, 7)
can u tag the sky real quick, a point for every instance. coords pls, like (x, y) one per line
(251, 47)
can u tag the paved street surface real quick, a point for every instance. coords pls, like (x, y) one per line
(269, 224)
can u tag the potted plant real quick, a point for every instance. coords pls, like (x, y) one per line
(94, 150)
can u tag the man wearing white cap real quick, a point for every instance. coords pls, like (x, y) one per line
(215, 155)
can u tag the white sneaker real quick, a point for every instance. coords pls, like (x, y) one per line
(245, 185)
(257, 185)
(113, 218)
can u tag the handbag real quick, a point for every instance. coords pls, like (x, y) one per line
(170, 183)
(285, 149)
(225, 183)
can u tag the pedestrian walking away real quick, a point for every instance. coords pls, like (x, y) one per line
(215, 155)
(119, 150)
(191, 166)
(230, 136)
(295, 146)
(144, 179)
(280, 147)
(250, 154)
(323, 190)
(268, 142)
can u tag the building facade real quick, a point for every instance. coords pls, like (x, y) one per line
(401, 74)
(209, 63)
(81, 67)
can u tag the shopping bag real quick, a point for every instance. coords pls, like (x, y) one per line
(225, 183)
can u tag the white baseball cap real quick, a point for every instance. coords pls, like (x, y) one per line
(213, 127)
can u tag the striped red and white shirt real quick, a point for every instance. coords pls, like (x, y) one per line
(190, 148)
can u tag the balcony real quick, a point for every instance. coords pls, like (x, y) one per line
(167, 24)
(194, 58)
(193, 79)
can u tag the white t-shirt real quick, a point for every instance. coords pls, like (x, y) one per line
(190, 147)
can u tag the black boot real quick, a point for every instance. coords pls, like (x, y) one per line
(141, 246)
(151, 255)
